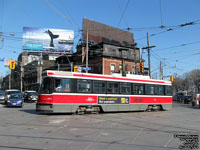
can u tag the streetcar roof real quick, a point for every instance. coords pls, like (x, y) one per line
(113, 77)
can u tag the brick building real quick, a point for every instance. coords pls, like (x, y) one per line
(110, 50)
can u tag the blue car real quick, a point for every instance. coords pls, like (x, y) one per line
(15, 99)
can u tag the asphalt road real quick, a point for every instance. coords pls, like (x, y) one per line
(24, 129)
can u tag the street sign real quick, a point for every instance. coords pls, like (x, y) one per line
(6, 62)
(86, 68)
(11, 64)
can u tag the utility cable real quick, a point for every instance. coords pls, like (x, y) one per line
(122, 16)
(60, 14)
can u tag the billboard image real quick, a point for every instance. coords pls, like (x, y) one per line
(51, 40)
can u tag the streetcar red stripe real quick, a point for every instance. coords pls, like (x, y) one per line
(90, 99)
(115, 78)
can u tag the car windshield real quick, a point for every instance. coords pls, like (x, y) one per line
(11, 92)
(31, 93)
(15, 96)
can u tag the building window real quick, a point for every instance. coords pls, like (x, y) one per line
(120, 68)
(124, 53)
(112, 68)
(133, 70)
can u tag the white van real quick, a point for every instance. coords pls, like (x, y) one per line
(195, 101)
(9, 92)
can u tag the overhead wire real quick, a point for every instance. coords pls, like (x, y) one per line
(122, 13)
(61, 14)
(181, 45)
(172, 28)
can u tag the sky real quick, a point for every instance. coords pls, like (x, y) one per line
(173, 27)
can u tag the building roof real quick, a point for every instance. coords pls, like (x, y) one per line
(98, 33)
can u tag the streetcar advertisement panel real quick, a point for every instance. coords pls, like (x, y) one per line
(113, 100)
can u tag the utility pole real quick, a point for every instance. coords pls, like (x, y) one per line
(149, 65)
(87, 52)
(148, 49)
(10, 80)
(21, 84)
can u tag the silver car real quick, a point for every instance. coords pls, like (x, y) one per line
(2, 96)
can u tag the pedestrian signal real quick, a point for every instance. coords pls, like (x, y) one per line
(11, 64)
(142, 67)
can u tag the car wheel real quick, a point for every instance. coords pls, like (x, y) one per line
(193, 104)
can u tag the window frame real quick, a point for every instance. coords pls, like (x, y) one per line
(90, 84)
(128, 85)
(93, 87)
(61, 83)
(165, 90)
(158, 93)
(108, 82)
(152, 85)
(138, 84)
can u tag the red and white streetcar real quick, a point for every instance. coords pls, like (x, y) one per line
(70, 92)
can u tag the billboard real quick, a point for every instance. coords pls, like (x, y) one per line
(49, 40)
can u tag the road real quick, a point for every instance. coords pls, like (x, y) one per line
(25, 129)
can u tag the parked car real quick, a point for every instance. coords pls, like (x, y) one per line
(1, 96)
(8, 93)
(15, 99)
(195, 101)
(30, 96)
(188, 99)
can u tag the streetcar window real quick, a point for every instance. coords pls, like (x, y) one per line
(168, 90)
(62, 85)
(46, 86)
(159, 89)
(83, 85)
(112, 87)
(125, 88)
(149, 89)
(99, 87)
(138, 89)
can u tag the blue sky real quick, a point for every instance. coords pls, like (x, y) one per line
(178, 49)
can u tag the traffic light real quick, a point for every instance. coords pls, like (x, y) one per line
(11, 64)
(75, 68)
(171, 78)
(142, 67)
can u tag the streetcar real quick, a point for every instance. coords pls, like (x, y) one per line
(73, 92)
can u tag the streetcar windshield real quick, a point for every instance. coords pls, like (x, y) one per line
(46, 86)
(50, 85)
